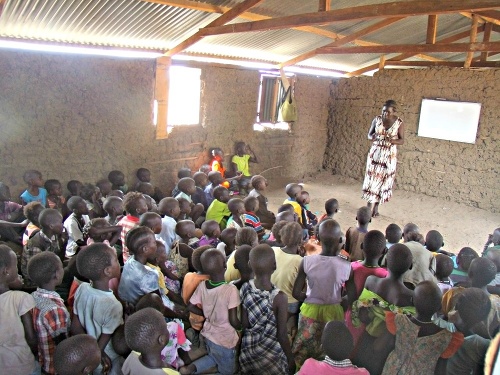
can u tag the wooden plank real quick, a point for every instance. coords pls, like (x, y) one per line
(381, 63)
(473, 37)
(414, 48)
(162, 85)
(393, 9)
(324, 5)
(486, 38)
(450, 39)
(492, 16)
(226, 17)
(431, 28)
(457, 64)
(347, 39)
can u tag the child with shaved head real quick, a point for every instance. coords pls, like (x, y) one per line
(77, 355)
(264, 346)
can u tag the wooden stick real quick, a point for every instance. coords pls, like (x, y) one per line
(473, 37)
(268, 169)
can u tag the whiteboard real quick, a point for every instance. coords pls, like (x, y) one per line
(452, 121)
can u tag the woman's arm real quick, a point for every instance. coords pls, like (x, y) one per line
(371, 132)
(401, 136)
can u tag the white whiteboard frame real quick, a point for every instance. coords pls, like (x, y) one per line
(449, 120)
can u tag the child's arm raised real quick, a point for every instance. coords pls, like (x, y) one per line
(280, 310)
(29, 332)
(300, 282)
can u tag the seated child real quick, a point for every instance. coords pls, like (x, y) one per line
(169, 209)
(201, 181)
(46, 239)
(185, 209)
(259, 184)
(493, 242)
(243, 155)
(105, 188)
(218, 210)
(275, 234)
(187, 187)
(320, 304)
(217, 301)
(182, 249)
(250, 217)
(211, 233)
(116, 193)
(433, 241)
(287, 263)
(215, 179)
(181, 173)
(481, 272)
(420, 343)
(55, 198)
(145, 188)
(378, 296)
(424, 263)
(293, 191)
(117, 179)
(191, 282)
(92, 196)
(134, 205)
(77, 355)
(241, 263)
(168, 268)
(18, 341)
(144, 175)
(373, 247)
(74, 224)
(114, 208)
(264, 345)
(311, 219)
(32, 212)
(50, 316)
(11, 217)
(74, 187)
(146, 333)
(228, 241)
(494, 286)
(355, 235)
(464, 258)
(244, 236)
(237, 208)
(96, 310)
(150, 202)
(393, 234)
(337, 352)
(35, 192)
(331, 208)
(138, 278)
(444, 268)
(205, 168)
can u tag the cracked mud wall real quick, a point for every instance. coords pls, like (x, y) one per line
(465, 173)
(79, 117)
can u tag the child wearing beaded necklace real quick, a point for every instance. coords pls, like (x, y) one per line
(218, 302)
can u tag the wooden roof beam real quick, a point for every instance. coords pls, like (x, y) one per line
(456, 64)
(324, 5)
(431, 28)
(414, 48)
(492, 16)
(403, 56)
(394, 9)
(225, 18)
(344, 40)
(473, 37)
(486, 38)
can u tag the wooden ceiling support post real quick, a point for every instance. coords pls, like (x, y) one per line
(431, 28)
(381, 63)
(324, 5)
(473, 37)
(486, 38)
(162, 85)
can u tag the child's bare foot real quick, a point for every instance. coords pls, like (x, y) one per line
(189, 369)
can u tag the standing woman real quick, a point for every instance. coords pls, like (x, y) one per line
(386, 132)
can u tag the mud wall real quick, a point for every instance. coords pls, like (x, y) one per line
(466, 173)
(79, 117)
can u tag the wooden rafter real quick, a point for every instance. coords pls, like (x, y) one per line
(324, 5)
(473, 37)
(492, 16)
(456, 64)
(486, 38)
(403, 56)
(431, 28)
(395, 9)
(225, 18)
(344, 40)
(414, 48)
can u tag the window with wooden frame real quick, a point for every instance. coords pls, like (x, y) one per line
(271, 93)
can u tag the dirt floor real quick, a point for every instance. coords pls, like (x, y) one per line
(459, 224)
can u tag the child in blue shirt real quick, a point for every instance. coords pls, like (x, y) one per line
(35, 192)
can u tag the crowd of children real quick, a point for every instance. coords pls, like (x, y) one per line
(210, 280)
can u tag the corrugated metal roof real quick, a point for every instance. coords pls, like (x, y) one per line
(149, 24)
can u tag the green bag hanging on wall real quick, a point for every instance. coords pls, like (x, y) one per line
(288, 109)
